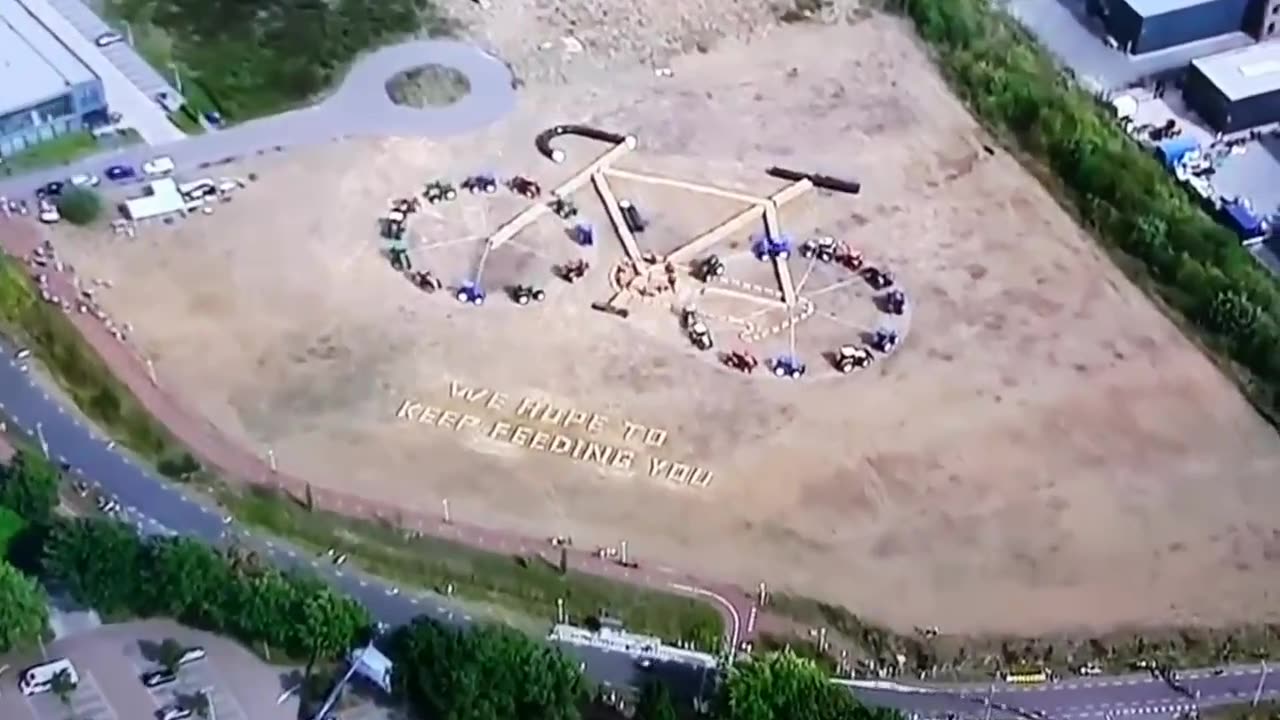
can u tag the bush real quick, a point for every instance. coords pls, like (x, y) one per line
(103, 564)
(80, 206)
(1193, 263)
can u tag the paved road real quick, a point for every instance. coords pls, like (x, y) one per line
(358, 108)
(141, 111)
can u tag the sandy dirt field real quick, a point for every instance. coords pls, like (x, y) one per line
(1044, 451)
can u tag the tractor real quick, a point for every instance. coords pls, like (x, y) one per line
(632, 217)
(477, 184)
(699, 333)
(574, 271)
(852, 357)
(787, 367)
(851, 260)
(709, 268)
(406, 206)
(470, 293)
(769, 248)
(878, 279)
(564, 209)
(438, 191)
(885, 340)
(424, 280)
(584, 234)
(392, 229)
(894, 302)
(740, 360)
(524, 187)
(824, 248)
(524, 294)
(399, 258)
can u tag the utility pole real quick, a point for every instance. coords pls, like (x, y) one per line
(1262, 679)
(44, 446)
(271, 459)
(622, 553)
(151, 372)
(560, 610)
(447, 519)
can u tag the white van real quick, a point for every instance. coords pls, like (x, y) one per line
(39, 678)
(159, 166)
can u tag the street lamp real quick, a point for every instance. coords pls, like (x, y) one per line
(1262, 679)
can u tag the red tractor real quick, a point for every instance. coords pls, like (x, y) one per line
(850, 259)
(573, 271)
(740, 360)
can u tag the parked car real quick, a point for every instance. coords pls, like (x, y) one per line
(174, 712)
(49, 212)
(108, 38)
(116, 173)
(85, 180)
(50, 189)
(191, 654)
(158, 166)
(158, 678)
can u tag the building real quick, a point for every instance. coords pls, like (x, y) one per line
(45, 90)
(1143, 26)
(163, 198)
(1264, 19)
(1236, 90)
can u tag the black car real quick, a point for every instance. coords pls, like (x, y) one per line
(158, 678)
(50, 189)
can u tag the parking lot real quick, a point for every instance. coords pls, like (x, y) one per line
(110, 660)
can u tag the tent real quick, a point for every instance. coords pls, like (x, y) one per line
(1171, 152)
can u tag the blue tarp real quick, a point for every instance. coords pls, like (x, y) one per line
(1240, 219)
(1172, 151)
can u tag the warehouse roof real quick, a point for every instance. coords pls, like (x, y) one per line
(1151, 8)
(34, 63)
(1243, 73)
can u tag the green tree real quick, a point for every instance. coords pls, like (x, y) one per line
(782, 686)
(655, 703)
(29, 486)
(99, 562)
(185, 579)
(327, 624)
(23, 608)
(169, 654)
(483, 673)
(80, 206)
(62, 686)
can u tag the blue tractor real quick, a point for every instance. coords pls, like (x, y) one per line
(584, 234)
(771, 248)
(470, 293)
(787, 366)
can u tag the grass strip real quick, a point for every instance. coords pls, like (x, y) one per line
(528, 585)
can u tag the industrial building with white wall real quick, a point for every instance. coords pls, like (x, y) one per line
(1143, 26)
(45, 90)
(1236, 90)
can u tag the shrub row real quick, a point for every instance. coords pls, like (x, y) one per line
(1191, 262)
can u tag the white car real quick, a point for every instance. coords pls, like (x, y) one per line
(174, 712)
(85, 180)
(49, 213)
(157, 166)
(108, 38)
